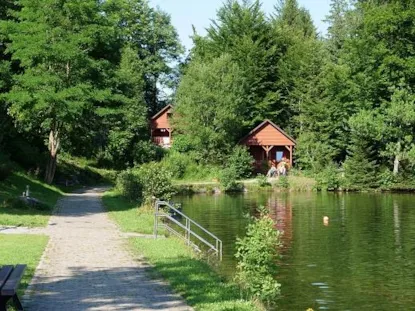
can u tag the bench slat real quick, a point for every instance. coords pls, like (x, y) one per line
(4, 274)
(12, 283)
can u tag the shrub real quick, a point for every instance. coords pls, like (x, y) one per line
(241, 161)
(283, 182)
(328, 178)
(145, 151)
(262, 181)
(257, 254)
(182, 144)
(177, 163)
(156, 181)
(228, 179)
(129, 185)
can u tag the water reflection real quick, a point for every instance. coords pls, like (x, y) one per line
(363, 260)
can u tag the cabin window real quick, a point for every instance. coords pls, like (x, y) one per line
(169, 115)
(279, 155)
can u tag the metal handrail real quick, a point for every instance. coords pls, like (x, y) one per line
(217, 248)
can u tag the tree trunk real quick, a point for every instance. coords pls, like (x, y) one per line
(54, 144)
(396, 165)
(397, 158)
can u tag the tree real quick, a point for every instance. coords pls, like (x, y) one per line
(242, 31)
(150, 34)
(53, 41)
(208, 108)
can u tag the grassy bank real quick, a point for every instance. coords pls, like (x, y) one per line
(130, 216)
(12, 213)
(188, 275)
(22, 249)
(291, 183)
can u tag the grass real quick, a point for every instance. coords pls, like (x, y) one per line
(188, 275)
(191, 277)
(22, 249)
(12, 214)
(130, 216)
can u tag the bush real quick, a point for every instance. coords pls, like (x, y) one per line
(145, 151)
(328, 178)
(228, 179)
(262, 181)
(257, 254)
(283, 182)
(241, 161)
(156, 182)
(177, 163)
(129, 185)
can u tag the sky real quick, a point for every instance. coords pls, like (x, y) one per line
(185, 13)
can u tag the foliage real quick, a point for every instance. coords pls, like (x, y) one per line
(360, 170)
(262, 180)
(228, 179)
(241, 161)
(283, 182)
(328, 178)
(156, 182)
(129, 184)
(207, 107)
(177, 163)
(257, 254)
(146, 151)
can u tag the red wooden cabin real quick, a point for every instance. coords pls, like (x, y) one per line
(268, 144)
(160, 127)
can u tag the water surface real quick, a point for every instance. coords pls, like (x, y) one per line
(364, 259)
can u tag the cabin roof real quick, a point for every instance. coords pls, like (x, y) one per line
(262, 125)
(165, 109)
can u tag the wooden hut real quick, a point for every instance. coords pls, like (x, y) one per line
(268, 144)
(160, 127)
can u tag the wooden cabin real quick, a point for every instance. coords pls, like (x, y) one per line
(160, 127)
(269, 144)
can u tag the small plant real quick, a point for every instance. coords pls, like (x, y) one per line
(262, 181)
(283, 182)
(257, 254)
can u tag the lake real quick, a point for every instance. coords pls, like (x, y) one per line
(363, 259)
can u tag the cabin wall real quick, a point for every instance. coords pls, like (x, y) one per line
(162, 121)
(268, 136)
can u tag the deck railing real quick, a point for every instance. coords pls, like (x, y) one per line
(161, 140)
(163, 210)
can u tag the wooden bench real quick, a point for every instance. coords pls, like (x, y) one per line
(10, 278)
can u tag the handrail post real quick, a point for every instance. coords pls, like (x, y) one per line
(156, 209)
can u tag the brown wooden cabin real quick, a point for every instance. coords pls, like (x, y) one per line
(269, 144)
(160, 127)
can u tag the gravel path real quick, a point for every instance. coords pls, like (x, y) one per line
(87, 267)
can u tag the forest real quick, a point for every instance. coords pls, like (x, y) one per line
(82, 78)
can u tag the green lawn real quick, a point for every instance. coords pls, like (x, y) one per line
(191, 277)
(22, 249)
(13, 215)
(128, 215)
